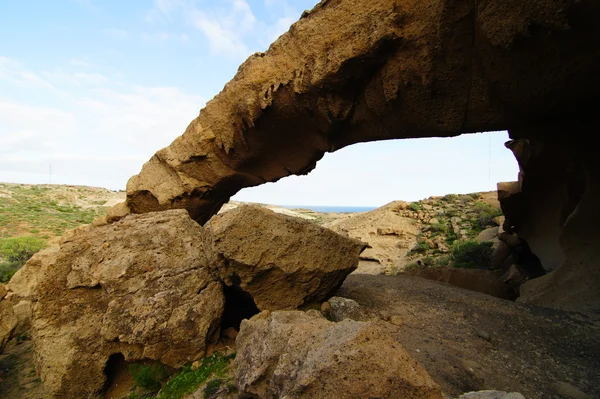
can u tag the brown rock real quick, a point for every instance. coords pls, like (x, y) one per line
(303, 355)
(411, 70)
(230, 333)
(139, 287)
(389, 235)
(283, 262)
(8, 322)
(117, 212)
(2, 291)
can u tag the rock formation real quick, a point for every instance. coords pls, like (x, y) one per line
(8, 320)
(282, 262)
(159, 287)
(411, 69)
(296, 354)
(554, 209)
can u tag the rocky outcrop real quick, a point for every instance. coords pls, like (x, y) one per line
(282, 262)
(411, 69)
(297, 354)
(390, 235)
(139, 287)
(553, 208)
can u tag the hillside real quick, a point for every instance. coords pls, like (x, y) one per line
(47, 211)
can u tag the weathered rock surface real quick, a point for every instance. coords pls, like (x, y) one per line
(8, 320)
(554, 208)
(389, 235)
(139, 287)
(411, 69)
(281, 261)
(469, 341)
(296, 354)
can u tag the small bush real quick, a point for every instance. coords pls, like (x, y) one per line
(414, 207)
(148, 377)
(7, 270)
(472, 254)
(485, 214)
(438, 228)
(187, 380)
(19, 249)
(420, 248)
(449, 197)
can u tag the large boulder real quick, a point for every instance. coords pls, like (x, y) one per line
(283, 262)
(140, 288)
(295, 354)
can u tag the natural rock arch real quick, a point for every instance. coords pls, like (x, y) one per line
(354, 71)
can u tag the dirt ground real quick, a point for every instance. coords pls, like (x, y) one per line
(469, 341)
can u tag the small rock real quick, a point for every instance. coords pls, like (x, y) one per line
(196, 365)
(491, 395)
(434, 221)
(343, 308)
(396, 320)
(483, 334)
(326, 309)
(2, 291)
(570, 391)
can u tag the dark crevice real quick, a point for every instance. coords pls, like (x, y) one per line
(239, 305)
(115, 364)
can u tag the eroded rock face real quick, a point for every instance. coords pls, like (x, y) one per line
(8, 320)
(140, 287)
(297, 354)
(411, 69)
(554, 208)
(281, 261)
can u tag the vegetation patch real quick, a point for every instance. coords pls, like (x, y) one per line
(472, 254)
(15, 252)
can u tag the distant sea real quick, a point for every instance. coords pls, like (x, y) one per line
(336, 209)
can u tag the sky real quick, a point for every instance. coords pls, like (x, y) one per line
(91, 89)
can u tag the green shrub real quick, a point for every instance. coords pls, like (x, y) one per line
(7, 270)
(414, 207)
(420, 248)
(449, 197)
(472, 254)
(148, 377)
(438, 228)
(19, 249)
(187, 380)
(485, 214)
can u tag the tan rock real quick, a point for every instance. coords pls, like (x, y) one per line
(281, 261)
(2, 291)
(117, 212)
(8, 322)
(389, 235)
(140, 287)
(303, 355)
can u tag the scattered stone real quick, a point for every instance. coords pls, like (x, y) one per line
(297, 354)
(434, 221)
(343, 308)
(484, 335)
(282, 262)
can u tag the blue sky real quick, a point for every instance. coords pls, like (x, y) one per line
(90, 89)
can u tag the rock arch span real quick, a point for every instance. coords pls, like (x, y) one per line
(355, 70)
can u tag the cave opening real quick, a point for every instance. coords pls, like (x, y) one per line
(239, 305)
(115, 365)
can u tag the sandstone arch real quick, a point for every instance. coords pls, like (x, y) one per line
(355, 70)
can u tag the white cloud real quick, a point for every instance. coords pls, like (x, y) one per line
(100, 133)
(16, 74)
(163, 36)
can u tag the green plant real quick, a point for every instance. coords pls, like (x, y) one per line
(7, 270)
(471, 254)
(187, 380)
(449, 197)
(414, 207)
(148, 377)
(19, 249)
(485, 213)
(438, 228)
(420, 248)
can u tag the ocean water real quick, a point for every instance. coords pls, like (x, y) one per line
(336, 209)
